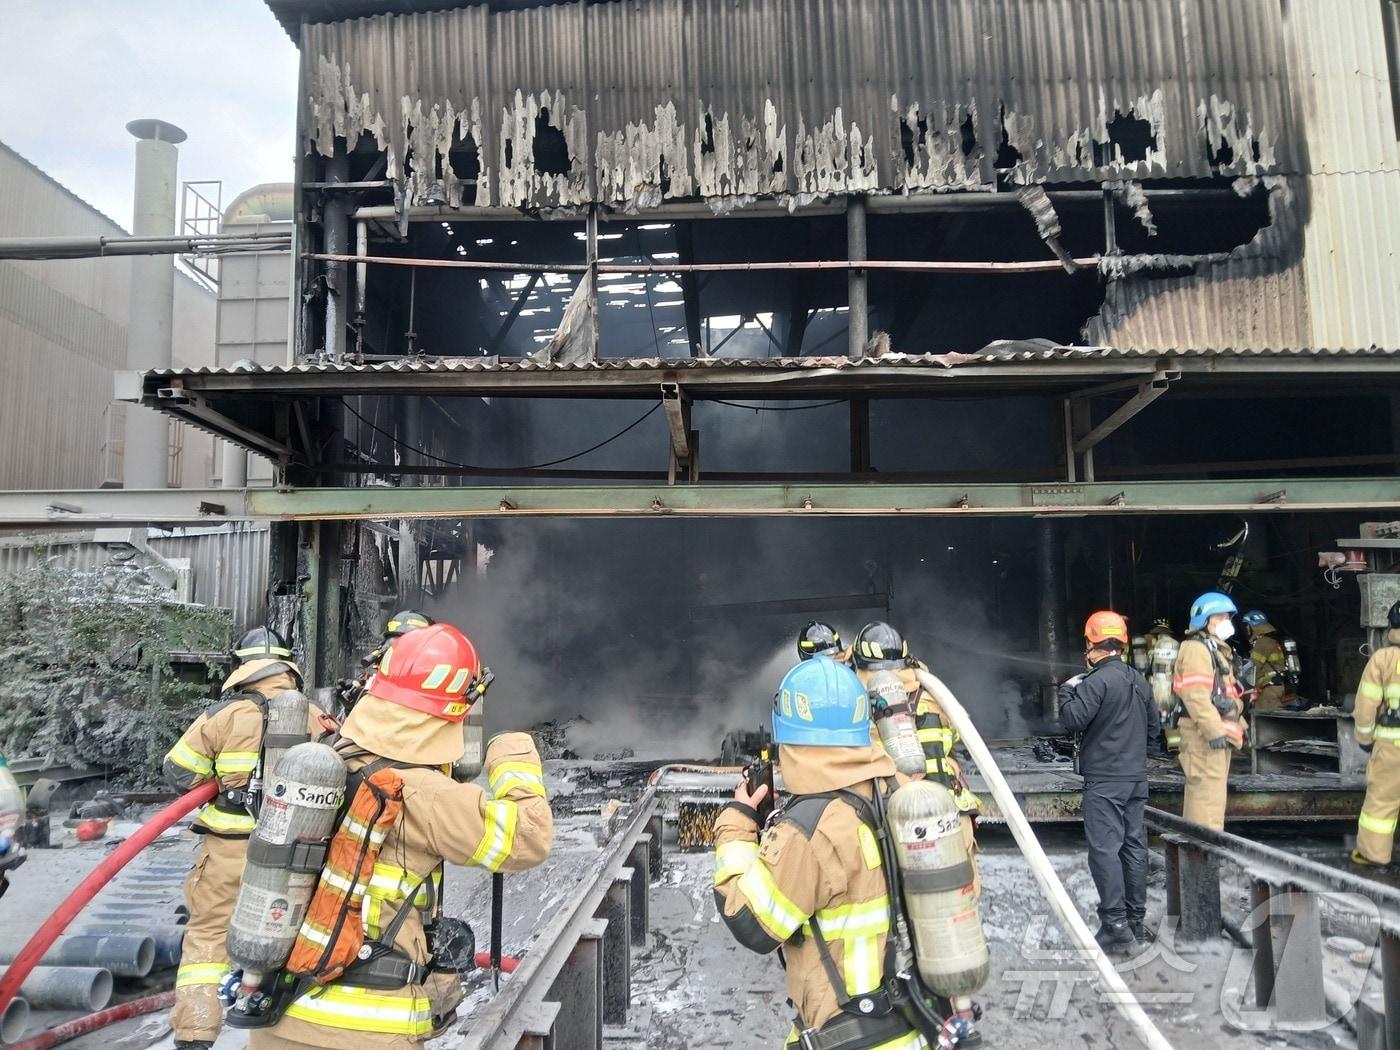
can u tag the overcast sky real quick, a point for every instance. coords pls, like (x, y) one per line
(75, 71)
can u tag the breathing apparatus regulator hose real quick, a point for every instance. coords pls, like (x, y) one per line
(1050, 884)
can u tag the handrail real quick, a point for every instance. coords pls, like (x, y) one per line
(499, 1023)
(1281, 868)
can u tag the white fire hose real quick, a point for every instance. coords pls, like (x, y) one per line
(1050, 883)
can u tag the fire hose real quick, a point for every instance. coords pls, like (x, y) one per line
(1050, 883)
(56, 923)
(94, 1022)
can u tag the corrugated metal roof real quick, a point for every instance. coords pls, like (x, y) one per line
(673, 98)
(1011, 354)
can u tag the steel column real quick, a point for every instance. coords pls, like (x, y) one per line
(335, 220)
(1390, 985)
(578, 990)
(616, 911)
(1262, 938)
(656, 829)
(1300, 999)
(857, 288)
(639, 860)
(1193, 890)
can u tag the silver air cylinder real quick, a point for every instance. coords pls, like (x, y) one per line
(286, 727)
(939, 888)
(299, 809)
(469, 766)
(893, 713)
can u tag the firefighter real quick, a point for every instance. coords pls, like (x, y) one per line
(1266, 652)
(815, 871)
(1211, 713)
(410, 720)
(1377, 721)
(225, 742)
(1111, 708)
(818, 639)
(400, 623)
(879, 647)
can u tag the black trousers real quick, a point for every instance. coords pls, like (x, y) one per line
(1117, 837)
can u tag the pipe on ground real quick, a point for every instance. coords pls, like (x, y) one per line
(125, 955)
(95, 1022)
(14, 1019)
(166, 939)
(1050, 884)
(67, 987)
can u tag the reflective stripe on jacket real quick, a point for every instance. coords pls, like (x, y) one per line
(1378, 695)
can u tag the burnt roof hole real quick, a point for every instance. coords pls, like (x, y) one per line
(551, 149)
(1220, 155)
(1254, 150)
(1008, 156)
(1131, 134)
(968, 131)
(707, 143)
(509, 154)
(778, 164)
(464, 156)
(663, 171)
(910, 136)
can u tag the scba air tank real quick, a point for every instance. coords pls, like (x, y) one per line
(939, 890)
(893, 713)
(286, 728)
(469, 766)
(1164, 655)
(285, 855)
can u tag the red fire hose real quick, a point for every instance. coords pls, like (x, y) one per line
(32, 952)
(93, 1022)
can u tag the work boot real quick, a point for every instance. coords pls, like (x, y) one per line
(1141, 933)
(1361, 860)
(194, 1044)
(1115, 936)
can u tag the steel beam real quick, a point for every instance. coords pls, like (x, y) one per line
(69, 508)
(1147, 393)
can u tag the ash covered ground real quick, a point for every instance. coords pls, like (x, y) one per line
(694, 986)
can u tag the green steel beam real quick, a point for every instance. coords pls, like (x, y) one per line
(71, 509)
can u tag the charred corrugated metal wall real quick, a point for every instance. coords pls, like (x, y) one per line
(629, 105)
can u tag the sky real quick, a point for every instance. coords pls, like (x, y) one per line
(76, 71)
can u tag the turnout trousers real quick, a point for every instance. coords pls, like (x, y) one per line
(1117, 836)
(210, 890)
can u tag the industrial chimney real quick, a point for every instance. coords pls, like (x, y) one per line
(147, 458)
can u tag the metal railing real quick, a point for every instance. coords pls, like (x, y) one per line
(577, 977)
(1283, 886)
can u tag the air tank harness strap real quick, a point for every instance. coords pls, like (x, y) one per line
(880, 713)
(383, 967)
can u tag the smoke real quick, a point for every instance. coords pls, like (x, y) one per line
(615, 627)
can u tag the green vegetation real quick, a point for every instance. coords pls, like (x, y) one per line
(85, 672)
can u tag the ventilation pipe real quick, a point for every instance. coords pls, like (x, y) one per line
(146, 463)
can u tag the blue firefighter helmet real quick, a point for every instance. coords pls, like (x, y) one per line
(1212, 603)
(1254, 618)
(821, 703)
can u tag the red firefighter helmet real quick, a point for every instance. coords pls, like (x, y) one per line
(1106, 626)
(431, 670)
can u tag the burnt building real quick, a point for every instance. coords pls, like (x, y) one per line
(973, 315)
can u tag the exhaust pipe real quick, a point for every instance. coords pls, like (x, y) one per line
(86, 988)
(125, 955)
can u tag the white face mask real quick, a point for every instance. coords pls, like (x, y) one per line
(1223, 629)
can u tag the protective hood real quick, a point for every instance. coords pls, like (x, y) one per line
(1265, 628)
(393, 731)
(810, 770)
(261, 672)
(1392, 637)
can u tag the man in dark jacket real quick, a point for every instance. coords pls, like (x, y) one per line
(1111, 708)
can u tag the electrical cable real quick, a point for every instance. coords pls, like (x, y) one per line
(781, 408)
(531, 466)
